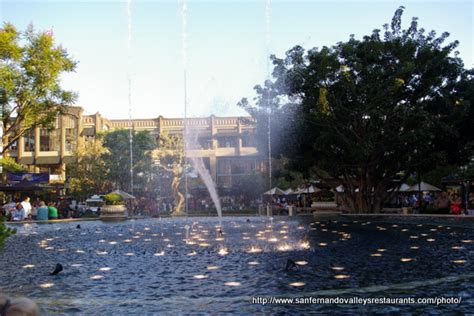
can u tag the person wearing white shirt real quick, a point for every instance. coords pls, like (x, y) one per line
(26, 206)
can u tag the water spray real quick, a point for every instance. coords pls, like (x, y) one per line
(129, 80)
(267, 43)
(184, 10)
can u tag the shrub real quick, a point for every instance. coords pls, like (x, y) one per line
(114, 199)
(5, 231)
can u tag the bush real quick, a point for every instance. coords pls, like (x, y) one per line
(324, 196)
(5, 231)
(114, 199)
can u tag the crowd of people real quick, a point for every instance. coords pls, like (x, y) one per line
(442, 201)
(26, 211)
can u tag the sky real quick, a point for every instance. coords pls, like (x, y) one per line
(227, 44)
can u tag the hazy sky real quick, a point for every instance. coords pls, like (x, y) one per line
(226, 45)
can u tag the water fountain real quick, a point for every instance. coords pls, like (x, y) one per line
(134, 262)
(190, 136)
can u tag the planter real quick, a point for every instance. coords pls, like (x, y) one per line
(113, 213)
(407, 210)
(326, 206)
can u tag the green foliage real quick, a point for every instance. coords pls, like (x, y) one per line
(364, 111)
(113, 199)
(5, 232)
(249, 186)
(88, 174)
(117, 157)
(30, 69)
(10, 165)
(285, 177)
(324, 196)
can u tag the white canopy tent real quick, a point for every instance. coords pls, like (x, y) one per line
(274, 191)
(422, 186)
(310, 189)
(403, 188)
(340, 188)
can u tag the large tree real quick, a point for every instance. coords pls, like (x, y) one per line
(117, 157)
(368, 111)
(30, 92)
(88, 174)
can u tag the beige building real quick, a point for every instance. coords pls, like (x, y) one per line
(226, 144)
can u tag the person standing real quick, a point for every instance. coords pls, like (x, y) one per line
(26, 206)
(34, 208)
(456, 204)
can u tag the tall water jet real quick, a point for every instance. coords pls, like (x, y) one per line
(198, 165)
(269, 110)
(184, 10)
(190, 137)
(129, 81)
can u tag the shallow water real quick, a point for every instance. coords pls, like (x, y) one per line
(148, 265)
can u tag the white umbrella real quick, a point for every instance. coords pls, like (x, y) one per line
(274, 191)
(340, 188)
(422, 186)
(288, 191)
(403, 188)
(310, 189)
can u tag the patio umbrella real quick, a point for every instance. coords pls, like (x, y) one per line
(340, 188)
(274, 191)
(403, 188)
(310, 189)
(422, 186)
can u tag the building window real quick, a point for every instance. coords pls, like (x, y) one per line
(248, 140)
(71, 133)
(224, 181)
(227, 141)
(71, 139)
(205, 142)
(29, 140)
(49, 140)
(14, 146)
(235, 166)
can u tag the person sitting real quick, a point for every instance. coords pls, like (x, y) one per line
(456, 204)
(42, 212)
(442, 203)
(19, 306)
(53, 211)
(19, 213)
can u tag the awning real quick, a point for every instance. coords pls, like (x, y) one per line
(422, 186)
(29, 187)
(310, 189)
(275, 191)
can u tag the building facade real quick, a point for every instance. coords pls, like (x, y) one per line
(226, 144)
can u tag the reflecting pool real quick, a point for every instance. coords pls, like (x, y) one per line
(154, 265)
